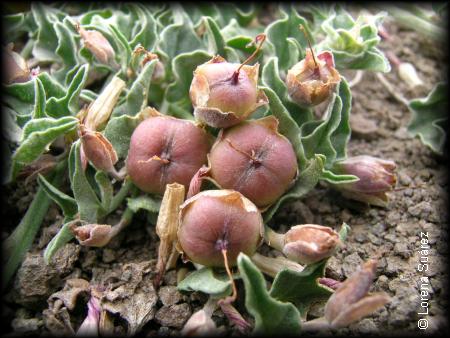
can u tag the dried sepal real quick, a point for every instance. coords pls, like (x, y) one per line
(95, 235)
(97, 44)
(15, 67)
(98, 150)
(351, 301)
(376, 178)
(99, 112)
(167, 225)
(312, 80)
(310, 243)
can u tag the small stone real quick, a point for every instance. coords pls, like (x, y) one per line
(109, 255)
(169, 295)
(404, 179)
(174, 315)
(351, 263)
(423, 209)
(363, 127)
(401, 249)
(64, 259)
(26, 325)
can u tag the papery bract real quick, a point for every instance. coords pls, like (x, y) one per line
(312, 80)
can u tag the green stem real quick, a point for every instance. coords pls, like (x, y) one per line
(272, 266)
(120, 196)
(19, 242)
(423, 27)
(273, 239)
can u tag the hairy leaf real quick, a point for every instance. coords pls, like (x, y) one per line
(205, 280)
(429, 116)
(271, 315)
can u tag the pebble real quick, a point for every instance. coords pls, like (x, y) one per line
(401, 249)
(173, 315)
(169, 295)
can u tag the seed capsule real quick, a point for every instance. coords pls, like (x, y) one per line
(165, 150)
(254, 159)
(216, 220)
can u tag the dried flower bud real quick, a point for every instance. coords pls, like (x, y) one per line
(15, 67)
(312, 80)
(310, 243)
(254, 159)
(376, 177)
(216, 220)
(96, 235)
(351, 300)
(220, 97)
(408, 74)
(90, 325)
(200, 324)
(98, 150)
(98, 45)
(165, 150)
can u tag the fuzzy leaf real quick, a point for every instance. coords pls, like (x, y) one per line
(63, 236)
(68, 104)
(330, 136)
(216, 43)
(205, 280)
(429, 116)
(67, 204)
(272, 317)
(306, 181)
(66, 50)
(287, 126)
(147, 34)
(301, 288)
(137, 96)
(47, 40)
(176, 39)
(118, 131)
(287, 39)
(106, 189)
(151, 204)
(87, 201)
(39, 100)
(183, 68)
(353, 42)
(38, 134)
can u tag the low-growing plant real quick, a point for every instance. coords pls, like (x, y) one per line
(120, 111)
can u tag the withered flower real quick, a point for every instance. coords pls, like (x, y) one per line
(376, 178)
(98, 150)
(90, 325)
(15, 67)
(351, 301)
(95, 235)
(97, 44)
(310, 243)
(312, 80)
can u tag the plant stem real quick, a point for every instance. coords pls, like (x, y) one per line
(273, 239)
(421, 26)
(19, 242)
(272, 266)
(120, 196)
(317, 324)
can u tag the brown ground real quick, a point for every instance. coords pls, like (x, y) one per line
(391, 233)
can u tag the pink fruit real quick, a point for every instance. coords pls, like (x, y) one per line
(254, 159)
(165, 150)
(216, 220)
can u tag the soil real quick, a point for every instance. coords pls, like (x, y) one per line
(33, 301)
